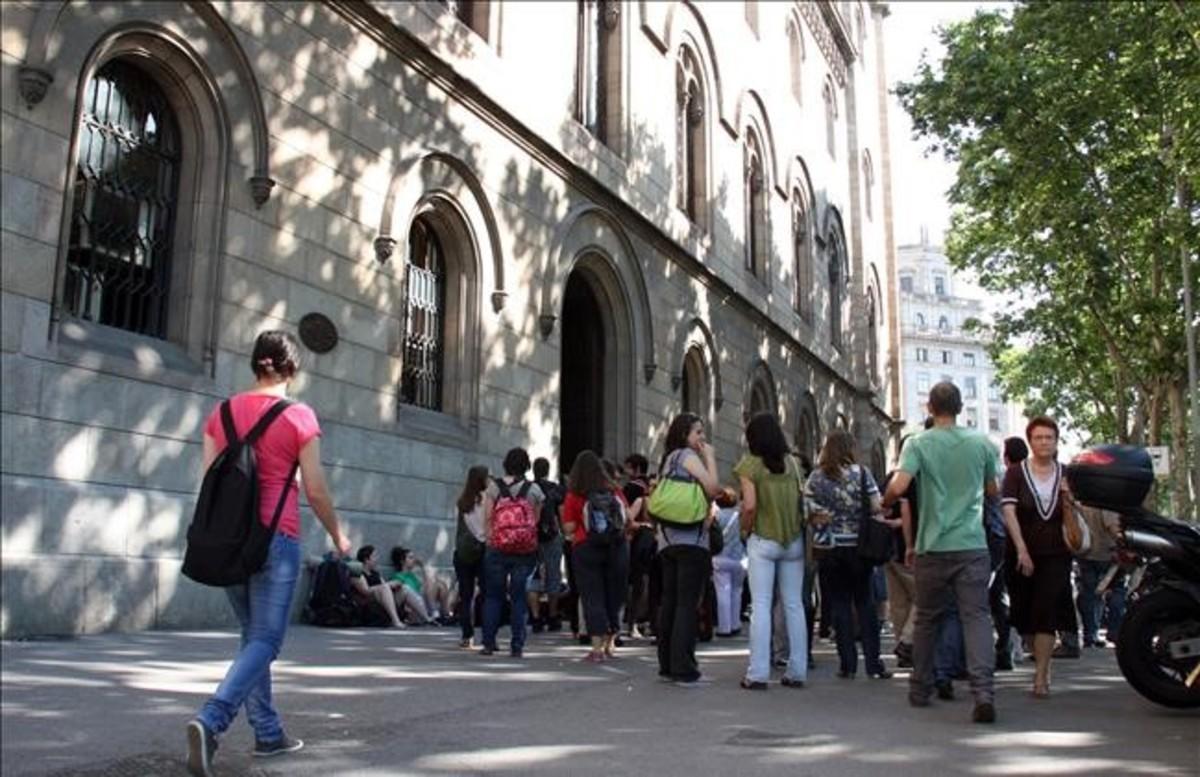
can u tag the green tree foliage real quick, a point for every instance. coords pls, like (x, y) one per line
(1075, 125)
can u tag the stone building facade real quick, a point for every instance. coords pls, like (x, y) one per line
(495, 223)
(936, 344)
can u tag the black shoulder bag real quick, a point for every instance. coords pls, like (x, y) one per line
(875, 541)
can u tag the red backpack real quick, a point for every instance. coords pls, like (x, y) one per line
(514, 524)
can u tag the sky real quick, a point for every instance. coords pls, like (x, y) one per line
(919, 183)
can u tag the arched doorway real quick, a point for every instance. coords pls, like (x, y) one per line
(582, 397)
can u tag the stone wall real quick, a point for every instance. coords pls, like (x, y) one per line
(364, 116)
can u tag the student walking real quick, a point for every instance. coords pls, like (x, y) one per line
(954, 468)
(470, 543)
(263, 602)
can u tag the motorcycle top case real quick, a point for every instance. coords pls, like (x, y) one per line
(1111, 477)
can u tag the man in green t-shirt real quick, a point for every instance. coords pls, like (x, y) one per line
(956, 467)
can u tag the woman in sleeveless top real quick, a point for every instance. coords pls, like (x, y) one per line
(683, 552)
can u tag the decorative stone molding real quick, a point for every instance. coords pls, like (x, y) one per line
(499, 297)
(32, 82)
(824, 37)
(260, 189)
(649, 368)
(384, 247)
(546, 323)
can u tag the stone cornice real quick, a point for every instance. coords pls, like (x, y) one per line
(402, 43)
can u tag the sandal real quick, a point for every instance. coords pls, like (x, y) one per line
(753, 685)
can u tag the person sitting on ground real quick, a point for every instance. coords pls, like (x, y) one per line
(433, 592)
(370, 584)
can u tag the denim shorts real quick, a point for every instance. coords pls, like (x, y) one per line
(546, 576)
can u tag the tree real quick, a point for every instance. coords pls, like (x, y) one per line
(1076, 128)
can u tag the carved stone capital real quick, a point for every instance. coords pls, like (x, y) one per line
(384, 246)
(260, 189)
(546, 323)
(32, 83)
(499, 297)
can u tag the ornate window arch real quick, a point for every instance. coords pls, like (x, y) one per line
(695, 391)
(757, 223)
(808, 429)
(439, 320)
(795, 41)
(802, 253)
(139, 246)
(691, 131)
(599, 70)
(829, 97)
(839, 285)
(760, 395)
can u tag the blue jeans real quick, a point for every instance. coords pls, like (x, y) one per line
(1090, 605)
(504, 573)
(262, 605)
(768, 559)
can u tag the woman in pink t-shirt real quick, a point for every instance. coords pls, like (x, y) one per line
(262, 604)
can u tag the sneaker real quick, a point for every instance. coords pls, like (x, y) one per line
(753, 685)
(516, 653)
(466, 644)
(788, 682)
(984, 712)
(202, 747)
(945, 690)
(284, 744)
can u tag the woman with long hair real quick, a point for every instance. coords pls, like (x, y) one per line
(593, 520)
(291, 441)
(469, 545)
(771, 516)
(835, 496)
(684, 551)
(1035, 499)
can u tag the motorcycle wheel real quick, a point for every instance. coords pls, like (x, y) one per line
(1158, 618)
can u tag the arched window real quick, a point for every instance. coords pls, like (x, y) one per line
(808, 435)
(802, 255)
(473, 13)
(695, 394)
(755, 187)
(795, 57)
(424, 319)
(872, 338)
(118, 269)
(943, 324)
(838, 285)
(920, 319)
(691, 162)
(868, 172)
(598, 76)
(830, 98)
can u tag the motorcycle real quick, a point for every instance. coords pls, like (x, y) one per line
(1158, 645)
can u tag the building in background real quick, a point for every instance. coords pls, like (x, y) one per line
(935, 344)
(553, 225)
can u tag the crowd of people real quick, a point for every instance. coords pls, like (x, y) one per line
(980, 546)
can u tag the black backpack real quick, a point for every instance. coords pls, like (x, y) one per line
(332, 602)
(226, 542)
(548, 520)
(604, 516)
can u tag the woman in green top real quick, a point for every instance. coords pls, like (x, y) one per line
(771, 516)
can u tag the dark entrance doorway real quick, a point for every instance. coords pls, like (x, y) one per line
(581, 388)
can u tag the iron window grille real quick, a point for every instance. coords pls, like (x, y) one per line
(424, 338)
(118, 270)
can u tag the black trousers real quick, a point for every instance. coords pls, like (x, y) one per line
(641, 566)
(601, 572)
(998, 596)
(685, 571)
(469, 576)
